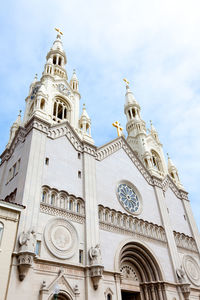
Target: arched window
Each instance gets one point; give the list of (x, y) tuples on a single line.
[(62, 202), (78, 208), (54, 60), (70, 205), (52, 202), (42, 104), (156, 161), (44, 195), (109, 297), (61, 110), (133, 112), (59, 61), (1, 232)]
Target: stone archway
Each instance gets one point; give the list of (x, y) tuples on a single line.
[(141, 275)]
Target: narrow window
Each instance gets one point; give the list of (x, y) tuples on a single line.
[(54, 60), (47, 161), (18, 165), (54, 109), (133, 112), (109, 297), (80, 256), (44, 196), (62, 202), (73, 86), (38, 248), (172, 175), (70, 205), (79, 174), (78, 208), (1, 232), (14, 170), (42, 104), (129, 114), (59, 61), (60, 111), (79, 155), (65, 113), (52, 199)]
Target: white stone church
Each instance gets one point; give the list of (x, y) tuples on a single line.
[(104, 223)]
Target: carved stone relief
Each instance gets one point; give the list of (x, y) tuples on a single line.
[(61, 238), (192, 269)]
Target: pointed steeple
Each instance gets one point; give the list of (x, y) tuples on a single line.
[(56, 60), (135, 125), (14, 128)]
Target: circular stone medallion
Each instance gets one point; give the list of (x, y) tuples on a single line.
[(192, 269), (61, 238), (128, 198)]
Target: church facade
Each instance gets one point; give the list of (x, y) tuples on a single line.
[(105, 223)]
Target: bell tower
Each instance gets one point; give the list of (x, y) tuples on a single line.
[(145, 144), (53, 98)]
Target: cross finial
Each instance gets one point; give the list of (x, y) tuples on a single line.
[(126, 81), (119, 128), (59, 31)]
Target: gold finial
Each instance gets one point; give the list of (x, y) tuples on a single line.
[(59, 31), (119, 128), (127, 82)]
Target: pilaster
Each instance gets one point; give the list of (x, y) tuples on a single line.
[(168, 230)]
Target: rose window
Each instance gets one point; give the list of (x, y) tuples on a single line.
[(128, 198)]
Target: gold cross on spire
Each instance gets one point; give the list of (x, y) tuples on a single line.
[(59, 31), (126, 81), (119, 128)]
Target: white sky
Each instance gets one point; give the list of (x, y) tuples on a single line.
[(155, 44)]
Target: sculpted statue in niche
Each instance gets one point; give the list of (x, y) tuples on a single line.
[(95, 255), (27, 241), (180, 274)]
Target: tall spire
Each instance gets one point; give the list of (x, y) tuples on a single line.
[(56, 59)]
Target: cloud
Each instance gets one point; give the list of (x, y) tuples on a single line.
[(154, 44)]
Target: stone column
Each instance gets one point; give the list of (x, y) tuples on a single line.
[(117, 285), (92, 238)]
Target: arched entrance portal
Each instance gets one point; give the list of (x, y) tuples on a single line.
[(60, 296), (141, 275)]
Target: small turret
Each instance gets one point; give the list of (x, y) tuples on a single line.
[(74, 81), (14, 129), (173, 172), (154, 132), (85, 126)]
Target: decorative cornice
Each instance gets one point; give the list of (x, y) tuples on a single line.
[(59, 212), (115, 221), (184, 241)]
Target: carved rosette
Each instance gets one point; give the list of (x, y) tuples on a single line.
[(192, 269), (61, 238)]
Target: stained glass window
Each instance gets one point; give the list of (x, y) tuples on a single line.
[(128, 198)]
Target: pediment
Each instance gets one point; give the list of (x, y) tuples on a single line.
[(62, 284)]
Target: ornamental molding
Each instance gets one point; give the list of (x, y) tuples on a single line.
[(119, 143), (184, 241), (59, 212), (61, 238), (114, 221)]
